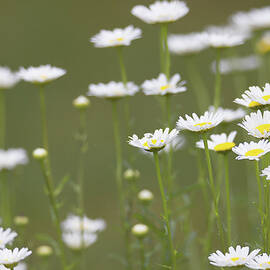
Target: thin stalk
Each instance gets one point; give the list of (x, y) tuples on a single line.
[(122, 65), (266, 215), (166, 211), (213, 190), (166, 52), (218, 79), (142, 255), (5, 199), (2, 119), (45, 139), (162, 56), (228, 200)]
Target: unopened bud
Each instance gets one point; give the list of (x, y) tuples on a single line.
[(44, 251), (145, 196), (140, 230), (40, 153), (130, 174), (81, 102), (21, 220)]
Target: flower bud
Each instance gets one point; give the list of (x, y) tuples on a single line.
[(40, 153), (81, 102), (130, 174), (145, 196), (44, 251), (140, 230), (21, 220)]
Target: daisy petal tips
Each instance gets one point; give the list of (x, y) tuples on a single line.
[(153, 142), (8, 79), (266, 172)]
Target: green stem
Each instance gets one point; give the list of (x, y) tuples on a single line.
[(218, 79), (122, 65), (228, 200), (266, 215), (162, 56), (142, 255), (2, 119), (5, 199), (167, 52), (166, 211), (213, 190), (44, 119)]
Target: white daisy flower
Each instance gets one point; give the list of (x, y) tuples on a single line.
[(257, 124), (140, 230), (162, 86), (252, 20), (153, 142), (7, 78), (112, 90), (176, 144), (40, 75), (219, 142), (266, 172), (252, 150), (116, 37), (237, 64), (81, 102), (10, 258), (6, 237), (11, 158), (225, 37), (77, 240), (20, 266), (77, 224), (235, 257), (195, 123), (247, 101), (145, 195), (161, 11), (229, 115), (187, 44), (261, 261)]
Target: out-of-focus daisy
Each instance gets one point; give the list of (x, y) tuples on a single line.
[(78, 240), (81, 102), (162, 86), (10, 258), (261, 261), (219, 142), (153, 142), (116, 37), (76, 224), (7, 78), (252, 20), (252, 150), (235, 257), (176, 144), (263, 45), (6, 237), (161, 11), (257, 124), (145, 195), (112, 90), (237, 64), (229, 115), (11, 158), (20, 266), (266, 172), (224, 37), (195, 123), (40, 75), (187, 44)]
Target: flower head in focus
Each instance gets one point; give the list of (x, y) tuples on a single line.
[(11, 158), (10, 258), (8, 79), (6, 237), (117, 37), (161, 11)]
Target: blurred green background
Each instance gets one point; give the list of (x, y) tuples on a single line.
[(57, 32)]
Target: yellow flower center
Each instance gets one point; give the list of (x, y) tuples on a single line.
[(224, 146), (263, 46), (254, 152), (146, 144), (165, 87), (263, 128), (154, 141), (266, 97), (254, 104), (203, 124), (44, 77), (120, 39), (235, 259)]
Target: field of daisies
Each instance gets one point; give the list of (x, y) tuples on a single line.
[(191, 193)]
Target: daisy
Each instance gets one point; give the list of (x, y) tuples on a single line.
[(40, 75), (140, 230), (161, 11), (81, 102), (252, 150), (153, 142), (116, 37), (187, 44), (261, 261), (235, 257), (145, 195), (229, 115), (11, 158), (263, 45), (20, 266), (176, 144), (257, 124), (266, 172), (247, 101), (261, 96), (7, 78), (77, 240), (195, 123), (6, 237), (112, 90), (10, 258), (77, 224), (162, 86), (219, 142)]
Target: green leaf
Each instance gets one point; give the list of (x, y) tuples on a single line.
[(61, 185)]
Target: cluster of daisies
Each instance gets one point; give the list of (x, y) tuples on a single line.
[(11, 258)]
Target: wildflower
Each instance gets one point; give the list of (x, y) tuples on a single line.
[(163, 86), (252, 150), (11, 158), (140, 230), (153, 142), (257, 124), (220, 143), (21, 220), (203, 123), (266, 172), (20, 266), (78, 240), (41, 75), (229, 115), (261, 261), (44, 251), (6, 237), (40, 153), (161, 12), (235, 257), (145, 196), (81, 102), (187, 44), (263, 45), (130, 174), (116, 37), (10, 258), (7, 78), (176, 144), (112, 90)]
